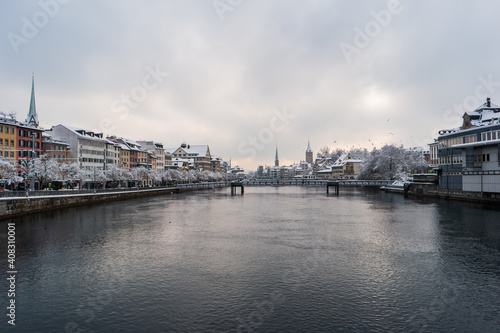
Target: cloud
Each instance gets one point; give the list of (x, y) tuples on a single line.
[(227, 76)]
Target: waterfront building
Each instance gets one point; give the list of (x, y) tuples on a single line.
[(21, 141), (28, 142), (168, 160), (86, 148), (182, 163), (309, 153), (433, 159), (215, 164), (8, 130), (468, 156), (199, 153), (112, 154), (55, 147), (344, 167), (124, 156), (156, 156)]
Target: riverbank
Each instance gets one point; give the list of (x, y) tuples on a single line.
[(432, 190), (17, 206)]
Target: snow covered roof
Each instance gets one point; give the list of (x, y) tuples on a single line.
[(200, 150), (82, 133), (344, 159), (169, 150), (123, 146)]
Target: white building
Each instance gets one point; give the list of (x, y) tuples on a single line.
[(468, 156), (87, 148)]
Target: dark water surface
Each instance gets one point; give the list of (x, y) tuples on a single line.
[(283, 259)]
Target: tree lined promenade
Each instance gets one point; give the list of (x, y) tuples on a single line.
[(48, 174)]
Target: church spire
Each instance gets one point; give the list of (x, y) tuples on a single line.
[(276, 160), (309, 153), (32, 118)]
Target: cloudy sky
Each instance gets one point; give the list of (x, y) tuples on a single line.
[(244, 76)]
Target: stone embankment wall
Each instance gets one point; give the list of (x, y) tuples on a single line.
[(433, 191), (10, 207)]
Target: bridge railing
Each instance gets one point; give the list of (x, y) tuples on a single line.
[(317, 182)]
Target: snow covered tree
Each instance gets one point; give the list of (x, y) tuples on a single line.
[(8, 172), (44, 169), (390, 162), (73, 172)]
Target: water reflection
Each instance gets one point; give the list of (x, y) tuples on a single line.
[(274, 260)]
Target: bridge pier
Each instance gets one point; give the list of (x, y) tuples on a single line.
[(335, 185), (235, 185)]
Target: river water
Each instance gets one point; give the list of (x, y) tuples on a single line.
[(286, 259)]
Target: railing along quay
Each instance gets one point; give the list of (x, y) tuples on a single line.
[(317, 182), (24, 194)]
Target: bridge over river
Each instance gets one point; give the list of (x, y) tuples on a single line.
[(315, 182)]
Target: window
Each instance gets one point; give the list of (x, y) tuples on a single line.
[(1, 142), (12, 154), (12, 143), (12, 130), (22, 132), (21, 143), (1, 129)]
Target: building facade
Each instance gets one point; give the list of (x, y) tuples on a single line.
[(87, 148), (55, 148), (309, 153), (199, 153), (468, 156)]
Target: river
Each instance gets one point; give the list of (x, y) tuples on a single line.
[(286, 259)]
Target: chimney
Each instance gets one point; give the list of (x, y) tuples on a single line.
[(488, 102)]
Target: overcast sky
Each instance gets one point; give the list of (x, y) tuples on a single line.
[(245, 76)]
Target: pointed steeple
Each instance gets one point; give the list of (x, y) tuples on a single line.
[(32, 118), (276, 160), (309, 153)]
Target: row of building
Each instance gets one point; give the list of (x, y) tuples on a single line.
[(322, 167), (466, 158), (67, 144)]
